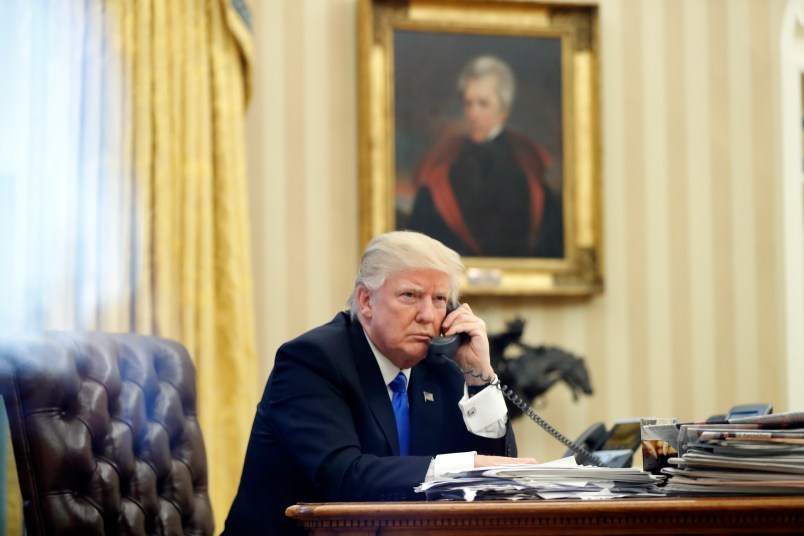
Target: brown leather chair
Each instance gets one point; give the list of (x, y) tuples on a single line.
[(105, 434)]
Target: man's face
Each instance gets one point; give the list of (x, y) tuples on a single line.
[(482, 108), (403, 315)]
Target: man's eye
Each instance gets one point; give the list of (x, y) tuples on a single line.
[(440, 301)]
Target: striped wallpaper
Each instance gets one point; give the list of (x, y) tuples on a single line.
[(692, 319)]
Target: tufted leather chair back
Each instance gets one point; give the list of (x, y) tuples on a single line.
[(105, 434)]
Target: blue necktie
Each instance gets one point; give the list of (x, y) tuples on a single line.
[(400, 403)]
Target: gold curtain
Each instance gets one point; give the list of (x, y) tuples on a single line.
[(189, 62), (124, 203), (125, 207)]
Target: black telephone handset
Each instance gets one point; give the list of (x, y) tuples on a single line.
[(593, 437), (447, 346), (615, 447)]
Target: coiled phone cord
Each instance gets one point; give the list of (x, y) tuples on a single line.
[(523, 406)]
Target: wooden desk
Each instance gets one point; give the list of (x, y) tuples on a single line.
[(720, 515)]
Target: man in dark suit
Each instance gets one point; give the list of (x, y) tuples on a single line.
[(325, 429)]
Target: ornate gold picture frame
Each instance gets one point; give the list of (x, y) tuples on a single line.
[(479, 125)]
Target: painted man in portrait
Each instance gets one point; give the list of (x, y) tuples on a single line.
[(483, 192)]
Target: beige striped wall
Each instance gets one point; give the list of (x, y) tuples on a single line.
[(692, 319)]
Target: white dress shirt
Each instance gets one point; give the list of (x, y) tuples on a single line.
[(485, 415)]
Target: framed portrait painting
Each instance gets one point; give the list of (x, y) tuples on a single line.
[(479, 127)]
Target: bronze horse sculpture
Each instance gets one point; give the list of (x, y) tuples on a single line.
[(536, 368)]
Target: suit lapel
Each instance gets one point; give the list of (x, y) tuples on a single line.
[(374, 389), (426, 412)]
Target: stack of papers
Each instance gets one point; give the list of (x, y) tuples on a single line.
[(757, 456), (560, 479)]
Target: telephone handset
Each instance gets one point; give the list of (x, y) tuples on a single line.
[(446, 346), (615, 447)]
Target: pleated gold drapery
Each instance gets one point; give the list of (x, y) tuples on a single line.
[(188, 63), (126, 209)]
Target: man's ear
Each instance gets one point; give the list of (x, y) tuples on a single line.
[(364, 301)]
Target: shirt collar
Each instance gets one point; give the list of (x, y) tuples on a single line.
[(494, 133), (387, 369)]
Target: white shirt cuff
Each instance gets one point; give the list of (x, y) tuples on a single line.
[(485, 414), (455, 461)]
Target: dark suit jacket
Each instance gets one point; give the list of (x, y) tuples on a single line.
[(325, 430)]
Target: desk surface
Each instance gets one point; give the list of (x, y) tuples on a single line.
[(709, 515)]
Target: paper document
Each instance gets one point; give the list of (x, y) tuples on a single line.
[(757, 455), (558, 479)]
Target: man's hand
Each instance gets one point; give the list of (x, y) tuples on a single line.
[(475, 354), (487, 461)]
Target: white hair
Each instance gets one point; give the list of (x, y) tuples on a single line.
[(484, 66), (400, 251)]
